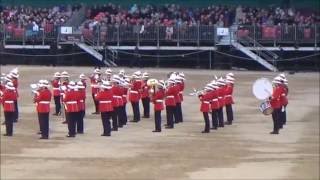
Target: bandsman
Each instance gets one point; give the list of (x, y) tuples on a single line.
[(15, 75), (157, 99), (105, 97), (56, 93), (134, 95), (205, 97), (221, 94), (64, 82), (228, 97), (117, 119), (7, 98), (145, 95), (284, 99), (170, 103), (214, 102), (42, 100), (95, 79), (81, 90), (181, 85), (276, 105), (70, 99), (178, 99)]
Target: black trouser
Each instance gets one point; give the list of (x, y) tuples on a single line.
[(220, 117), (71, 120), (105, 117), (229, 113), (57, 102), (276, 119), (146, 107), (79, 123), (170, 113), (214, 118), (283, 115), (9, 118), (157, 120), (96, 103), (136, 111), (114, 117), (178, 113), (44, 124), (206, 121), (120, 116), (16, 112), (124, 111)]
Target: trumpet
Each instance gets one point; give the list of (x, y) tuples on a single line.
[(34, 88), (196, 92)]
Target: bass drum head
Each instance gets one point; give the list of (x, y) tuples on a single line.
[(262, 88)]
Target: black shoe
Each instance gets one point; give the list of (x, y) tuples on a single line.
[(156, 131), (95, 113), (169, 127), (120, 126), (146, 117), (43, 138), (64, 122), (15, 121), (55, 114), (114, 129), (214, 128), (105, 134), (7, 134), (79, 132), (274, 132), (70, 136), (228, 123), (3, 123), (221, 126), (39, 132), (134, 121), (205, 131)]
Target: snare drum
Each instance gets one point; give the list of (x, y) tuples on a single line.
[(265, 108)]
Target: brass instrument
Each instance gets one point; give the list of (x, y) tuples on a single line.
[(196, 92)]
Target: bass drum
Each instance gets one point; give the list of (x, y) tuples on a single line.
[(266, 108), (262, 88)]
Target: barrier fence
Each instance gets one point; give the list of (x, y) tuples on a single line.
[(196, 35)]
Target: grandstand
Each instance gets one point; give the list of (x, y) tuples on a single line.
[(253, 35)]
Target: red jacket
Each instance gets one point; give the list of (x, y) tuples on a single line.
[(205, 101), (117, 96), (55, 87), (42, 100), (124, 95), (221, 91), (7, 99), (283, 98), (105, 100), (170, 96), (134, 93), (70, 99), (81, 99), (228, 94), (145, 90), (275, 98), (94, 85), (181, 89), (214, 99), (157, 100), (176, 95)]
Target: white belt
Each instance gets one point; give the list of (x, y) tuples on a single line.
[(124, 95), (44, 102), (117, 96), (228, 95), (220, 97), (283, 94), (136, 92), (207, 102), (9, 101), (81, 101), (56, 88), (170, 97), (72, 102), (181, 92), (159, 100), (215, 99), (105, 101)]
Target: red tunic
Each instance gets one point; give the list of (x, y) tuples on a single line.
[(157, 100), (228, 94), (283, 98), (70, 98), (145, 90), (8, 97), (181, 89), (117, 96), (275, 98), (42, 100), (205, 101), (94, 85), (214, 99), (55, 87), (134, 93), (170, 94), (81, 99), (176, 95), (105, 100), (221, 96), (124, 95)]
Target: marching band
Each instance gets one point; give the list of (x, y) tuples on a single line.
[(111, 92)]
